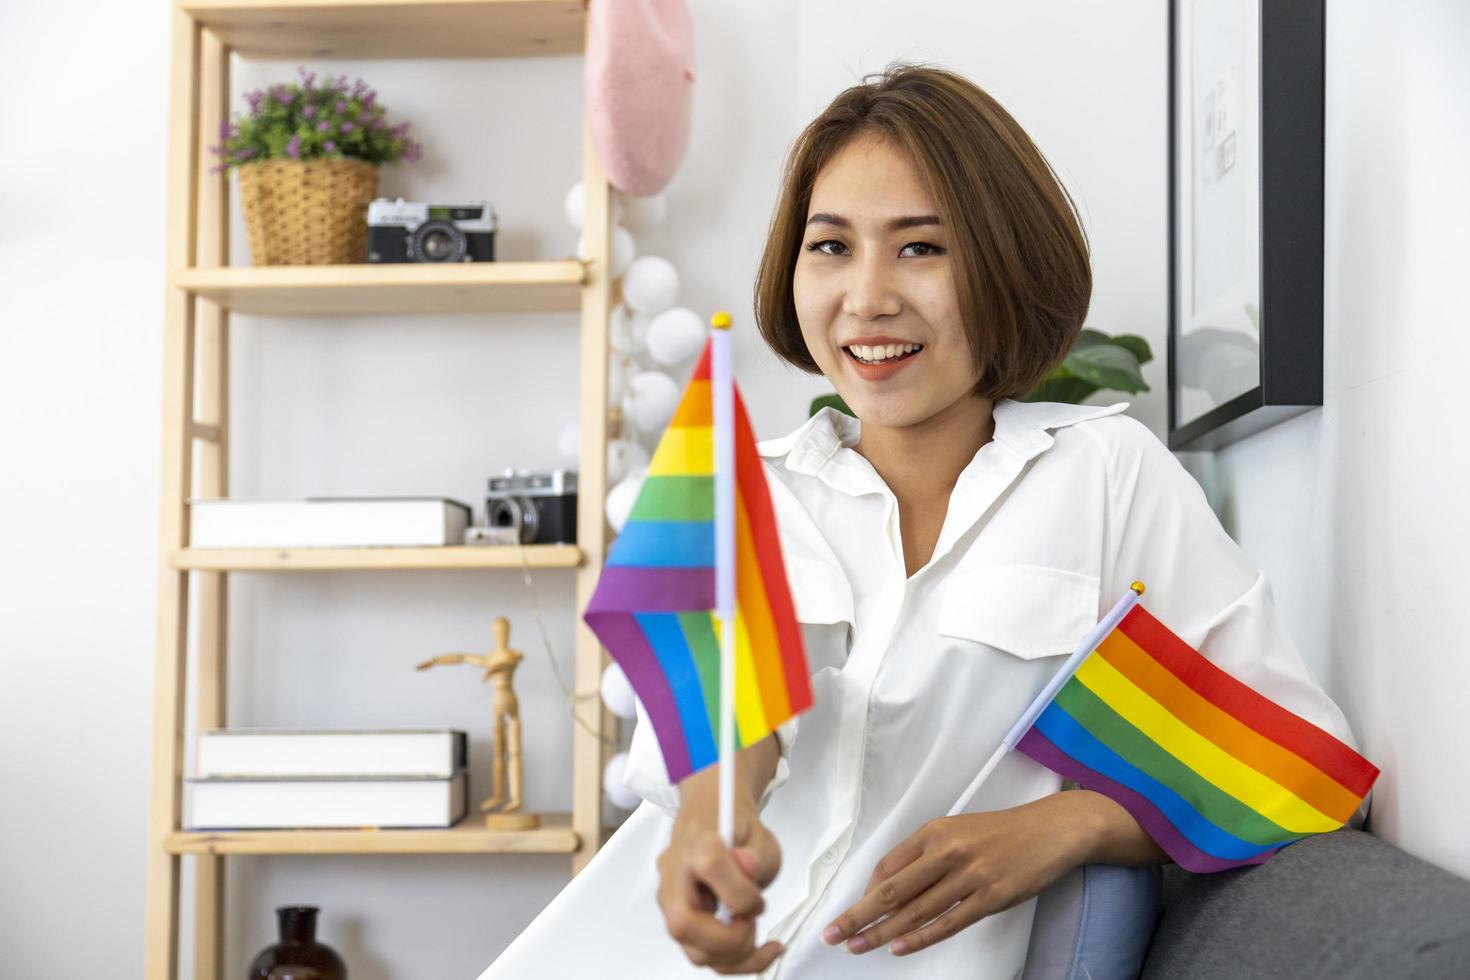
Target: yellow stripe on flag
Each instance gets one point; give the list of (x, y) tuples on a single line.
[(684, 451), (1247, 785)]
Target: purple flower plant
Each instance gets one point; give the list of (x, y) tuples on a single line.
[(306, 121)]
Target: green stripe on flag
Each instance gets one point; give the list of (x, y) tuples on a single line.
[(1142, 752), (704, 647), (675, 498)]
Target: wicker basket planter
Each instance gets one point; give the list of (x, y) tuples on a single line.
[(311, 212)]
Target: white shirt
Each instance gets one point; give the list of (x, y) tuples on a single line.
[(916, 680)]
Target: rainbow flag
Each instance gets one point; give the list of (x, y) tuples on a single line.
[(1218, 775), (654, 604)]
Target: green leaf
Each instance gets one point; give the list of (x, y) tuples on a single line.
[(1089, 338), (1062, 388), (834, 400), (1137, 345), (1107, 366)]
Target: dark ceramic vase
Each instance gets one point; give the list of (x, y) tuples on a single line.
[(298, 956)]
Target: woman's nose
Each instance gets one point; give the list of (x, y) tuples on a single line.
[(870, 290)]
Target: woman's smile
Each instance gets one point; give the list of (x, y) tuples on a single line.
[(878, 363)]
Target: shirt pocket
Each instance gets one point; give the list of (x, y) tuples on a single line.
[(1027, 611), (823, 603)]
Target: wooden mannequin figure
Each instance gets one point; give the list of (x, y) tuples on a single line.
[(500, 663)]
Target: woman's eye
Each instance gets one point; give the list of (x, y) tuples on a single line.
[(831, 246), (925, 247), (821, 246)]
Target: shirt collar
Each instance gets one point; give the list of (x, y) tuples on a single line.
[(1023, 428)]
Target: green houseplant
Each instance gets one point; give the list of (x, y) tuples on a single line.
[(1096, 362), (307, 156)]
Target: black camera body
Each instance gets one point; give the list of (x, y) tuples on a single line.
[(410, 231), (542, 504)]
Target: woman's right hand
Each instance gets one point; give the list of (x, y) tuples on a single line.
[(697, 872)]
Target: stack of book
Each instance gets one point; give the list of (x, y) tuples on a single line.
[(327, 522), (252, 779)]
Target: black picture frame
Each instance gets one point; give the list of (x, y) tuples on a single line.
[(1288, 320)]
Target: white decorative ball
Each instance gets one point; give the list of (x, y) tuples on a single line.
[(653, 398), (575, 207), (569, 444), (625, 456), (675, 336), (573, 204), (645, 213), (617, 794), (621, 498), (651, 285), (623, 251), (627, 329), (617, 693)]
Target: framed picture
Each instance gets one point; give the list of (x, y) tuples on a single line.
[(1245, 216)]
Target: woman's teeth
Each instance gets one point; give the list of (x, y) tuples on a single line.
[(877, 355)]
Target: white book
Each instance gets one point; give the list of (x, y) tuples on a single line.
[(259, 752), (327, 522), (285, 804)]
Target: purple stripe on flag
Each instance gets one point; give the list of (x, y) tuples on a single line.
[(1149, 817), (625, 640), (627, 588)]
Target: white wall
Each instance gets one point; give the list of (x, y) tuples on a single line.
[(1356, 510), (433, 405)]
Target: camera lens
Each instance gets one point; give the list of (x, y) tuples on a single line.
[(437, 241), (517, 512)]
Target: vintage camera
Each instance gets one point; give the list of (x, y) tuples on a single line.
[(541, 504), (408, 231)]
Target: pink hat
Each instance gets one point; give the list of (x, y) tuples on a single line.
[(638, 90)]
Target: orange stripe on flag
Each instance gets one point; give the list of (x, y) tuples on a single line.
[(1271, 759)]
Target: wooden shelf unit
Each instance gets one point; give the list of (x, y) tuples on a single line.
[(383, 290), (469, 836), (351, 29), (202, 293), (372, 559)]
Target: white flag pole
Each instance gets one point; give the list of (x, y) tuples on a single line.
[(1089, 643), (722, 391)]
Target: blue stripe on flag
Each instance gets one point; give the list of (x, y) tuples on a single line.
[(665, 544), (666, 637), (1082, 745)]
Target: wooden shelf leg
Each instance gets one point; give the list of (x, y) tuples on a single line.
[(589, 751), (211, 415), (160, 954)]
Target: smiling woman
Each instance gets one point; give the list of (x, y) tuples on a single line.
[(946, 546), (924, 179)]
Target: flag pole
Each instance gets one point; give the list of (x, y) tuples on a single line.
[(722, 392), (1089, 643)]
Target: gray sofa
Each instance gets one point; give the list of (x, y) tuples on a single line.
[(1343, 905)]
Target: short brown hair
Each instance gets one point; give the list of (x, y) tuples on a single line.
[(1022, 273)]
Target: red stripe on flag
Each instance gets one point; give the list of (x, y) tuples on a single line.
[(756, 499), (1320, 748)]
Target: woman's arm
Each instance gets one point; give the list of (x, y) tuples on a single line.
[(755, 766), (1106, 833)]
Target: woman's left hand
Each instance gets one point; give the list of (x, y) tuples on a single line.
[(954, 871)]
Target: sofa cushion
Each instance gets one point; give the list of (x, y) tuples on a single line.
[(1344, 905), (1094, 923)]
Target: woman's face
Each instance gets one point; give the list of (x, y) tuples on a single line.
[(874, 269)]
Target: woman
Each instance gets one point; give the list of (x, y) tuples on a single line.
[(945, 553)]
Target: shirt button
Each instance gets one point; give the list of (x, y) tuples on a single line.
[(829, 855)]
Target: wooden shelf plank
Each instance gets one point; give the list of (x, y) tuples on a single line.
[(393, 28), (373, 559), (391, 289), (469, 836)]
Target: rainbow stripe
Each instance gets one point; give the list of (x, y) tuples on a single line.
[(1218, 775), (653, 606)]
